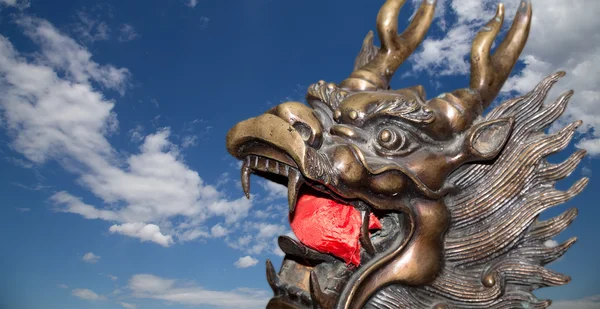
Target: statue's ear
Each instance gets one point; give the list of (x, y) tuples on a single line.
[(485, 139)]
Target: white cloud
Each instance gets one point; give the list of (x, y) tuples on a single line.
[(53, 111), (189, 141), (192, 3), (65, 202), (258, 237), (592, 302), (90, 257), (87, 294), (23, 209), (62, 53), (20, 4), (245, 262), (63, 286), (563, 36), (203, 21), (274, 190), (150, 286), (128, 305), (143, 231), (268, 230), (586, 171), (550, 243), (137, 134), (127, 33), (218, 231), (89, 29)]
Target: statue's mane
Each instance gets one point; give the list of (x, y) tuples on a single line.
[(495, 248)]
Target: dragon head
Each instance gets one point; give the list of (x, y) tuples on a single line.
[(386, 154)]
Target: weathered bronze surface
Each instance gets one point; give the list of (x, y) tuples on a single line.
[(458, 193)]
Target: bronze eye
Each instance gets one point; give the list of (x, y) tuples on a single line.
[(390, 139)]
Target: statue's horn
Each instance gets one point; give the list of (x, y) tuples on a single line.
[(380, 65), (490, 72)]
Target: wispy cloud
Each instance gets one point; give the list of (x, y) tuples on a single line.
[(20, 4), (274, 190), (127, 33), (189, 141), (150, 286), (87, 294), (591, 302), (257, 237), (191, 3), (111, 277), (53, 111), (128, 305), (90, 257), (91, 29)]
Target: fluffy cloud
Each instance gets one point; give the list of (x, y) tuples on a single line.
[(87, 294), (150, 286), (90, 257), (245, 262), (218, 231), (53, 111), (550, 243), (563, 36), (143, 231)]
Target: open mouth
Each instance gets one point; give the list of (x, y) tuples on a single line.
[(335, 236)]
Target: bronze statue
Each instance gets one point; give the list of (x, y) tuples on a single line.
[(447, 199)]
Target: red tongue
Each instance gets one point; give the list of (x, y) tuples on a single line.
[(329, 227)]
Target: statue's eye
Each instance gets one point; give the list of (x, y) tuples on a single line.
[(391, 139)]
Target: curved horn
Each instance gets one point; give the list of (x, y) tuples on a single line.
[(489, 72), (377, 73)]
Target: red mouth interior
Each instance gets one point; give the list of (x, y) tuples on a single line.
[(329, 226)]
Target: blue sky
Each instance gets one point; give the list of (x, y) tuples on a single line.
[(117, 190)]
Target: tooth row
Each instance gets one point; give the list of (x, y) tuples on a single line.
[(295, 179), (265, 165)]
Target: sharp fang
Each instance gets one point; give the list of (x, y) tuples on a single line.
[(365, 240), (272, 277), (295, 180), (246, 177)]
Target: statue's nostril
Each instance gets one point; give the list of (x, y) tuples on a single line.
[(304, 130), (302, 118)]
